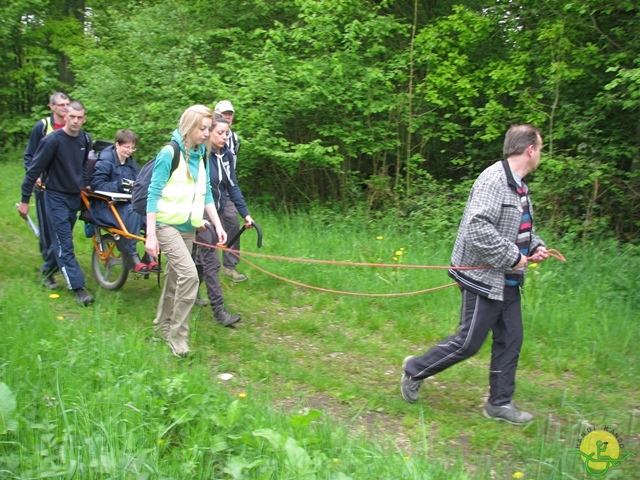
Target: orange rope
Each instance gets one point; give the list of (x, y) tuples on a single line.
[(333, 262), (340, 292), (551, 252)]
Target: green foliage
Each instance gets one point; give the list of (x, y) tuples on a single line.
[(126, 81), (347, 101), (33, 65), (8, 406), (597, 193)]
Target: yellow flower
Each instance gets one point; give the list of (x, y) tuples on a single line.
[(518, 475), (54, 295), (399, 252), (60, 318), (160, 441), (379, 237), (395, 259), (90, 331), (402, 248), (242, 395), (407, 457), (533, 265), (336, 460)]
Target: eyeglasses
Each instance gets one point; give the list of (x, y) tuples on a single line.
[(128, 147)]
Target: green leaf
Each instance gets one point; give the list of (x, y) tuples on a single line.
[(340, 476), (298, 456), (236, 465), (304, 420), (7, 410), (274, 438)]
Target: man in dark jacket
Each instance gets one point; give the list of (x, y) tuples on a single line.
[(496, 235), (58, 105), (62, 156)]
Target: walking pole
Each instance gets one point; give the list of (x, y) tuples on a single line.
[(34, 228)]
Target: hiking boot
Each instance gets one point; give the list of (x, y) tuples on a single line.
[(179, 348), (508, 413), (83, 297), (409, 387), (224, 317), (48, 282), (236, 276), (201, 302)]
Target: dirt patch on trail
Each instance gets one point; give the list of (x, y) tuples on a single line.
[(360, 423)]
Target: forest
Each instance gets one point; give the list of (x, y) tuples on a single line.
[(372, 108)]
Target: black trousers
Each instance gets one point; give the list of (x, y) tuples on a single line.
[(478, 316), (208, 265), (231, 225)]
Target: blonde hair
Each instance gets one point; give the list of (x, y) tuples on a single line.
[(190, 121)]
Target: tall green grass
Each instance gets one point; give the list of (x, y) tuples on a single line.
[(314, 392)]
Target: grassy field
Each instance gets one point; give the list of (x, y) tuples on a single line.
[(315, 386)]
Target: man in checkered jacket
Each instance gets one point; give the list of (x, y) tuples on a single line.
[(496, 235)]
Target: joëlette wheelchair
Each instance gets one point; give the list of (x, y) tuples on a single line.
[(108, 263)]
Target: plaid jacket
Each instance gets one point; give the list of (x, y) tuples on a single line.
[(488, 231)]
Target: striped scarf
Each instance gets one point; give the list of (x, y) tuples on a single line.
[(523, 240)]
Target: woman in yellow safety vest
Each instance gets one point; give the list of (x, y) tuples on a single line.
[(176, 202)]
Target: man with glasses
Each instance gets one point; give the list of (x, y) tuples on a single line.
[(58, 103)]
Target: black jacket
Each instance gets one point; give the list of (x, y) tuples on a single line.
[(107, 177), (222, 173), (61, 163), (38, 132)]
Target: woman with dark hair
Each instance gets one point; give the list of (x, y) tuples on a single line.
[(115, 171), (224, 185)]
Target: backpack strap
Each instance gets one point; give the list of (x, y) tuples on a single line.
[(87, 147), (176, 155), (47, 126)]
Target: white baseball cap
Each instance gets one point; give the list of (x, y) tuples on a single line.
[(224, 106)]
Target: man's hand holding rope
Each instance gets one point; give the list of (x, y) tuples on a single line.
[(539, 255)]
